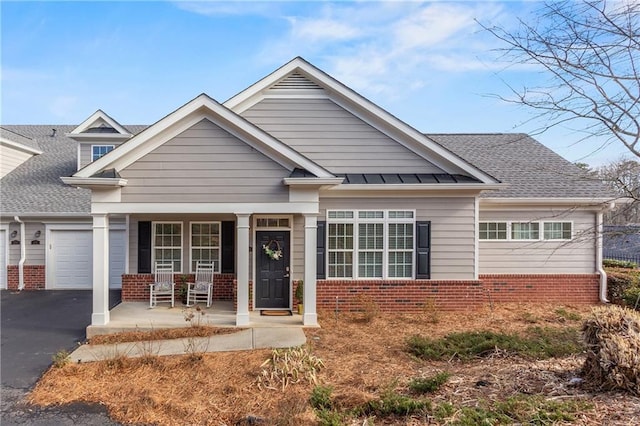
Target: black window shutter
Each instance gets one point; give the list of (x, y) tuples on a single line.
[(228, 240), (321, 252), (423, 250), (144, 247)]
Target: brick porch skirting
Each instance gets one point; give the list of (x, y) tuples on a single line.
[(412, 296), (135, 287), (33, 277)]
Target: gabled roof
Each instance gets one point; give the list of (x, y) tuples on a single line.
[(184, 117), (300, 72), (100, 123), (34, 188), (19, 141), (531, 169)]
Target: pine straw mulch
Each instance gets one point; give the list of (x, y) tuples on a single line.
[(362, 359), (160, 334)]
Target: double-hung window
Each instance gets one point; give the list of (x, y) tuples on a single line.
[(167, 244), (525, 231), (205, 244), (98, 151), (370, 244), (557, 230)]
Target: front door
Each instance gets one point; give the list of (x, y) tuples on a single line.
[(272, 270)]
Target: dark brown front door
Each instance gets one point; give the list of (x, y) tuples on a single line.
[(272, 270)]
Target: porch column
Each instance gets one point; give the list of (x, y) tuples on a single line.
[(310, 317), (100, 315), (242, 273)]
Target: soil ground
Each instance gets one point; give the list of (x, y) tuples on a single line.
[(364, 356)]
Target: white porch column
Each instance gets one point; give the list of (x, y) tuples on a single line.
[(242, 272), (100, 315), (310, 316)]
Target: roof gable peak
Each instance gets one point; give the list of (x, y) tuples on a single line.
[(99, 123)]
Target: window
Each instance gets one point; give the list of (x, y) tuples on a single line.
[(98, 151), (525, 230), (340, 250), (493, 230), (272, 222), (557, 230), (205, 244), (370, 244), (167, 243)]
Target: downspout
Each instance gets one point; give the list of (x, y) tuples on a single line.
[(603, 274), (23, 253)]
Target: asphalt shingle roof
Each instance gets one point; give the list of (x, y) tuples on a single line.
[(35, 187), (18, 138), (531, 169)]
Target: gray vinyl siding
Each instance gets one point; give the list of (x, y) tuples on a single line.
[(540, 257), (452, 228), (297, 259), (205, 164), (35, 252), (86, 152), (334, 138), (11, 158)]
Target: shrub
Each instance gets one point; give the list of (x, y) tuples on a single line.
[(61, 358), (612, 336), (538, 343), (613, 263), (392, 403), (429, 384), (369, 309), (631, 298), (619, 282), (321, 398)]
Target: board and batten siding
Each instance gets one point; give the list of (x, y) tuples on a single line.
[(205, 164), (334, 138), (540, 257), (452, 228)]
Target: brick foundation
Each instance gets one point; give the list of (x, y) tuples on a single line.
[(550, 288), (409, 296), (135, 287), (34, 278)]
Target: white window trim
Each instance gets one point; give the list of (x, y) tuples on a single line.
[(191, 246), (540, 223), (524, 239), (385, 220), (153, 243), (101, 145)]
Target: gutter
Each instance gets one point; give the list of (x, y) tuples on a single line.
[(601, 271), (23, 253)]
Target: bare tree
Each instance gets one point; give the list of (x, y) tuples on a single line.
[(624, 177), (590, 52)]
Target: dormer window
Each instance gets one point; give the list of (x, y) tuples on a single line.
[(98, 151)]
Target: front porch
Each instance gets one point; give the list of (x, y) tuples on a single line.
[(137, 316)]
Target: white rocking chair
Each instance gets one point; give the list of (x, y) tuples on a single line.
[(163, 287), (202, 289)]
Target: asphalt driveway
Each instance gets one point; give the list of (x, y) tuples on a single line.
[(34, 326)]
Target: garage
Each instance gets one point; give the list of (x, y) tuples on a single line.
[(70, 259)]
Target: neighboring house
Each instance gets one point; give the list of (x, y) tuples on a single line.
[(357, 201)]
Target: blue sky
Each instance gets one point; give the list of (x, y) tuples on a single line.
[(428, 63)]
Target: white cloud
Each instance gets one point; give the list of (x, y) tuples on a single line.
[(321, 30), (220, 8)]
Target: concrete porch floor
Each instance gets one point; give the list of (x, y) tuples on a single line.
[(130, 316)]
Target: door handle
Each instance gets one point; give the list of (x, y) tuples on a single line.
[(285, 276)]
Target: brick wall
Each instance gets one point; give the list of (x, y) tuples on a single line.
[(33, 277), (412, 296), (409, 296), (556, 288), (135, 287)]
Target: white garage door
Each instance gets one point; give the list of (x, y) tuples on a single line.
[(3, 260), (116, 258), (72, 253)]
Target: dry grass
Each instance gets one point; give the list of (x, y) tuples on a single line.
[(160, 334), (362, 361)]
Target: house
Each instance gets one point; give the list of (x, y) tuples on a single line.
[(355, 200)]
